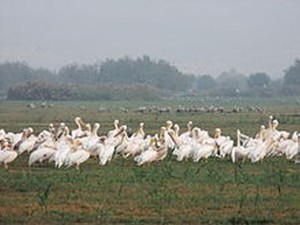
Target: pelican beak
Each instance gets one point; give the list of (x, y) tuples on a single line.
[(120, 132)]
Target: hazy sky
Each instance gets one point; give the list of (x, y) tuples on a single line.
[(198, 36)]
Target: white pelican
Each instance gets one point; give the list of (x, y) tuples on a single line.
[(184, 145), (114, 131), (51, 129), (140, 133), (29, 143), (287, 147), (258, 152), (239, 153), (225, 144), (165, 133), (188, 133), (77, 155), (78, 132), (156, 152), (133, 145), (41, 154), (107, 150), (63, 146), (60, 131), (90, 141), (7, 155)]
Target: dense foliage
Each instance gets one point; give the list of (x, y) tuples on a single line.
[(141, 78), (51, 91)]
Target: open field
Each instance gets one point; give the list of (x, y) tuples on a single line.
[(167, 192)]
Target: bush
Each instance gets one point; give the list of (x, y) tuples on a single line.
[(46, 91)]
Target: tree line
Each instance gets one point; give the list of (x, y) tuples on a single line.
[(138, 79)]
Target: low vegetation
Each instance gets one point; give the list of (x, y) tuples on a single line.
[(137, 79)]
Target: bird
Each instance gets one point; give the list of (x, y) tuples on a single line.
[(107, 149), (239, 153), (157, 151), (90, 141), (78, 132), (287, 147), (77, 155), (260, 150), (140, 133), (183, 147), (225, 144), (133, 145), (41, 154), (165, 132), (29, 143), (7, 154), (113, 132), (187, 134)]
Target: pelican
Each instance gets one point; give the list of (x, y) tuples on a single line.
[(41, 154), (51, 129), (60, 131), (272, 132), (114, 131), (204, 151), (7, 155), (63, 146), (132, 145), (90, 141), (140, 133), (239, 153), (78, 132), (168, 140), (225, 144), (183, 147), (29, 143), (259, 151), (188, 133), (17, 139), (77, 155), (287, 147), (156, 152), (106, 151)]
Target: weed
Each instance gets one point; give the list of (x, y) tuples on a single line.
[(43, 196)]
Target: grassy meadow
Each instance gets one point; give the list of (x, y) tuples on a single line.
[(167, 192)]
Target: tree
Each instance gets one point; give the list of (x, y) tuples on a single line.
[(232, 80), (12, 73), (78, 74), (292, 74), (259, 80), (205, 82), (143, 70)]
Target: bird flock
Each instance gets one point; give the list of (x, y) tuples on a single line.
[(66, 148)]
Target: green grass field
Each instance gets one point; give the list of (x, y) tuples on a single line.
[(167, 192)]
